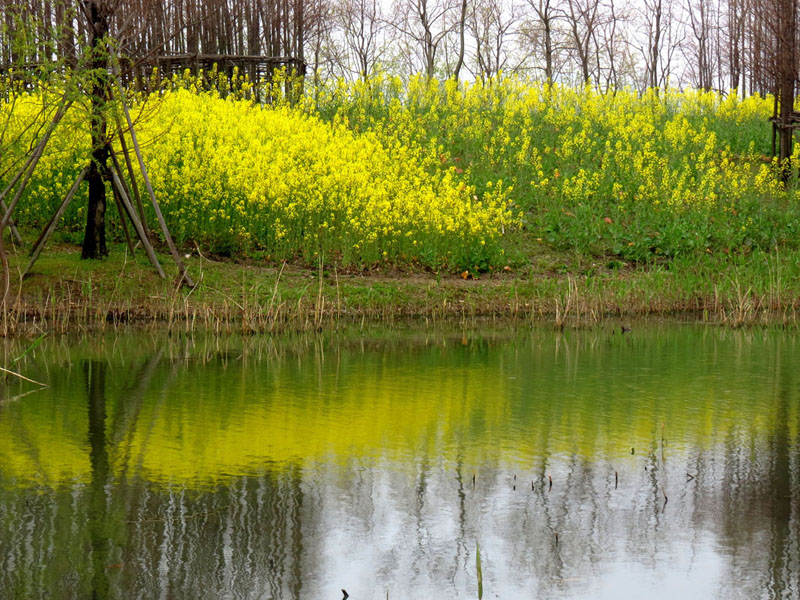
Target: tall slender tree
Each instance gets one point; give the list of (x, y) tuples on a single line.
[(98, 14)]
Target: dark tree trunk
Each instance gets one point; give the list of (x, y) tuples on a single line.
[(95, 372), (94, 240), (548, 50), (787, 76), (462, 21)]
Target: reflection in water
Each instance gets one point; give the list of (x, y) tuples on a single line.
[(781, 480), (98, 456), (258, 469), (244, 539)]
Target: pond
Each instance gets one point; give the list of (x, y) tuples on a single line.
[(657, 463)]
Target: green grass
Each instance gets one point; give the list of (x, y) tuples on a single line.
[(568, 289)]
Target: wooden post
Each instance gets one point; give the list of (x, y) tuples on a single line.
[(11, 225), (164, 229), (6, 278), (29, 166), (122, 214), (775, 124), (134, 186), (115, 181), (118, 168), (51, 225)]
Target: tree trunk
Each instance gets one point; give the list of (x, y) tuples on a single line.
[(787, 74), (548, 50), (462, 21), (94, 239), (95, 373)]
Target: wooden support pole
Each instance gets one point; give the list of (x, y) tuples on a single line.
[(122, 214), (774, 120), (51, 225), (30, 165), (164, 229), (134, 186), (6, 279), (126, 203), (116, 166), (16, 177), (11, 225)]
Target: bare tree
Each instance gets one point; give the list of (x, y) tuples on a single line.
[(493, 26), (541, 34), (362, 24), (759, 53), (736, 19), (461, 27), (425, 24), (583, 18), (319, 27), (699, 51), (655, 21)]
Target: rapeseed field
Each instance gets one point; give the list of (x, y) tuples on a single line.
[(442, 175)]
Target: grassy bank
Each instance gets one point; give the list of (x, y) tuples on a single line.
[(64, 293)]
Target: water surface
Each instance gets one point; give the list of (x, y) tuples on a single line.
[(155, 467)]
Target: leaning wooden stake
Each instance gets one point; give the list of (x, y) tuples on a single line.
[(11, 225), (134, 186), (120, 207), (27, 170), (131, 192), (19, 174), (164, 229), (51, 225), (6, 279), (121, 212), (126, 203)]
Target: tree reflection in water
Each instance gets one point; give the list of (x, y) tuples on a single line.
[(180, 473)]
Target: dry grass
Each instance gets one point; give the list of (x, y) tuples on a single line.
[(66, 294)]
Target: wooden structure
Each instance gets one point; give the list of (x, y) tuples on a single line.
[(257, 67), (116, 176), (778, 126)]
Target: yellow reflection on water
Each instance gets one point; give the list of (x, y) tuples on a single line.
[(192, 421)]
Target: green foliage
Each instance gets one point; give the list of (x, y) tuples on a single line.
[(639, 177), (442, 175)]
